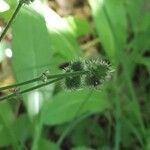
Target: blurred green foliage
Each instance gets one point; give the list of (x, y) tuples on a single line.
[(118, 114)]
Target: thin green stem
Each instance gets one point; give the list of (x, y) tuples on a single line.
[(19, 84), (11, 19), (40, 78), (29, 89), (70, 128)]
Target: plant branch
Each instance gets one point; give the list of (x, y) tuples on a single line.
[(40, 78), (19, 84), (11, 19), (29, 89)]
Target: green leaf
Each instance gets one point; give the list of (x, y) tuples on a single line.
[(133, 9), (65, 106), (31, 53), (6, 112), (22, 127), (78, 26), (6, 131), (6, 119), (61, 37), (5, 139), (47, 145), (110, 21)]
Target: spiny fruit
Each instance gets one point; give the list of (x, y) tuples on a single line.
[(73, 82), (98, 71)]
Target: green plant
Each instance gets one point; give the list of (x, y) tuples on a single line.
[(115, 115)]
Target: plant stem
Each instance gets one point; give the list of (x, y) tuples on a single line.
[(19, 84), (39, 78), (30, 89), (11, 19), (71, 127)]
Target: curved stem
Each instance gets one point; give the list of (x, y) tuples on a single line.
[(70, 128), (11, 19)]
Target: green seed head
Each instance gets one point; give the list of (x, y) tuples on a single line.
[(76, 65), (91, 80), (99, 71), (71, 82)]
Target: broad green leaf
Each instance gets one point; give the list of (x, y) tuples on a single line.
[(31, 54), (65, 106), (110, 21)]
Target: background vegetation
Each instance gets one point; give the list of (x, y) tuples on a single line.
[(49, 34)]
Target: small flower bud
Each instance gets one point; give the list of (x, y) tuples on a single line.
[(76, 65)]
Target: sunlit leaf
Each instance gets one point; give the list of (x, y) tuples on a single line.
[(31, 53)]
